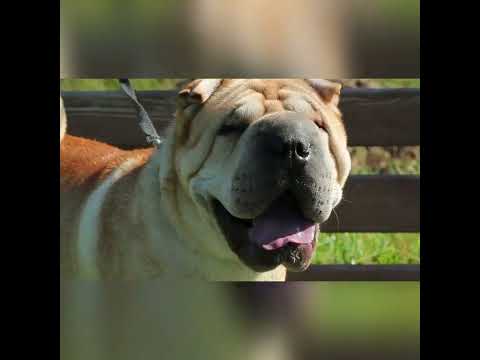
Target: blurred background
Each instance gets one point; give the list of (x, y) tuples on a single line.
[(332, 248), (248, 38), (184, 320)]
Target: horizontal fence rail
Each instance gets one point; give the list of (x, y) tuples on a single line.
[(378, 203), (372, 203), (373, 117), (357, 273)]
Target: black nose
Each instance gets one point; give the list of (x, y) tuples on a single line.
[(287, 139), (296, 151)]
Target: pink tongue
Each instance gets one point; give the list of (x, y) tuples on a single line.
[(281, 225)]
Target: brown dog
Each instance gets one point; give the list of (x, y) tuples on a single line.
[(237, 190)]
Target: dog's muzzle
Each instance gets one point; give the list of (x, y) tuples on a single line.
[(275, 222)]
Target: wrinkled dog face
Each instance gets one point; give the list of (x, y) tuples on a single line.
[(266, 160)]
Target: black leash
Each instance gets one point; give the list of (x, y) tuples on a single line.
[(144, 120)]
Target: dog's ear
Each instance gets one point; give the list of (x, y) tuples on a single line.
[(329, 91), (197, 92), (189, 101)]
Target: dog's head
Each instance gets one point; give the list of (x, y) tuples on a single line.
[(262, 161)]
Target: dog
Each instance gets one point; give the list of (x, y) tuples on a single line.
[(237, 190)]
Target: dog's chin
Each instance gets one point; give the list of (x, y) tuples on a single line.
[(280, 236)]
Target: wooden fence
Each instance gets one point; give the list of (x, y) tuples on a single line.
[(373, 117)]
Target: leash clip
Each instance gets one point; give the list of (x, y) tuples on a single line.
[(155, 141)]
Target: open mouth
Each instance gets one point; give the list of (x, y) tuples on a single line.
[(281, 235)]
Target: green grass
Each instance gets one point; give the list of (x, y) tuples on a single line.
[(112, 84), (332, 248), (377, 160), (166, 84), (394, 166), (410, 83), (367, 248)]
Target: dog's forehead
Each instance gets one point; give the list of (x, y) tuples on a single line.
[(271, 94), (269, 88)]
